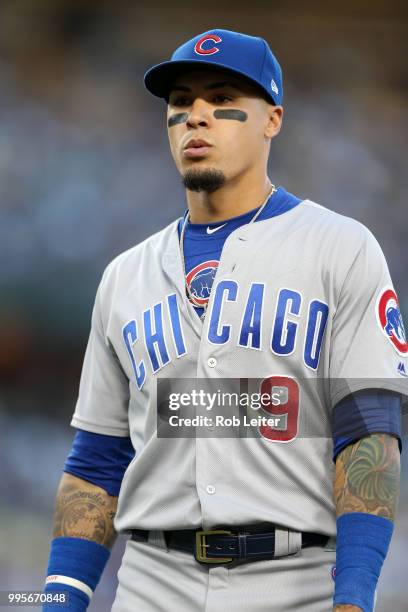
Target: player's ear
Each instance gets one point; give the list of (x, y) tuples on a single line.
[(274, 121)]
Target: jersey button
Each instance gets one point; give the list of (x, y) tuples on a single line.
[(211, 362), (210, 489)]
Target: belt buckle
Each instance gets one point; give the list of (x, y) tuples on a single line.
[(201, 546)]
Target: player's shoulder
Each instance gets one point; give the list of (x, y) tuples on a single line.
[(336, 225), (130, 260), (332, 219)]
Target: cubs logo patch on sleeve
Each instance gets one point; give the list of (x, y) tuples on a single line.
[(390, 320)]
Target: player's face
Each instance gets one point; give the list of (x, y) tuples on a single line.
[(220, 122)]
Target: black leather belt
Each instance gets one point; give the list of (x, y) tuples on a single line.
[(227, 545)]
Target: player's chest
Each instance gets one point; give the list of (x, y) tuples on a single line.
[(262, 298)]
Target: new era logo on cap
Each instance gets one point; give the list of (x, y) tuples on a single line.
[(246, 56)]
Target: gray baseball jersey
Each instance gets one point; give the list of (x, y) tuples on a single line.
[(303, 295)]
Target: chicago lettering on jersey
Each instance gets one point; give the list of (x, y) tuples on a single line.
[(151, 332)]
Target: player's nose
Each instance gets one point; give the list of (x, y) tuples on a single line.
[(200, 114)]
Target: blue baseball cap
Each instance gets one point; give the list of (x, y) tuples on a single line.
[(243, 55)]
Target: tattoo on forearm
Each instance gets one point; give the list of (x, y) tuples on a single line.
[(367, 476), (84, 510)]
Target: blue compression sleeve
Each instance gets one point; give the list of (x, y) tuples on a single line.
[(75, 567), (365, 412), (362, 544), (100, 459)]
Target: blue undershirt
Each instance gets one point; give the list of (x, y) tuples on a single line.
[(363, 413), (202, 250), (100, 459)]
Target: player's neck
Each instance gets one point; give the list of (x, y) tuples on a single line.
[(231, 200)]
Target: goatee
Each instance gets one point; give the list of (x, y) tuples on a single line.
[(203, 180)]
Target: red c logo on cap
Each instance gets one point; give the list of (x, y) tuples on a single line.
[(199, 44)]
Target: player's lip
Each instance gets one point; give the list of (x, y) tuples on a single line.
[(196, 147), (195, 143)]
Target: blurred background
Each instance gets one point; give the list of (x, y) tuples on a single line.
[(85, 173)]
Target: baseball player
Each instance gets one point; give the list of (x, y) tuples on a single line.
[(255, 285)]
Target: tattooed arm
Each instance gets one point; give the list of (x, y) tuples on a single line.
[(367, 480), (84, 510), (367, 476)]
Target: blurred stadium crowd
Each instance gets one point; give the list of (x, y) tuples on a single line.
[(85, 173)]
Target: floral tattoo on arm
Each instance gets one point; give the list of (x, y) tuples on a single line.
[(367, 476)]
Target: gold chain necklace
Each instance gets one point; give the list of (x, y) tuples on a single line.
[(190, 295)]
